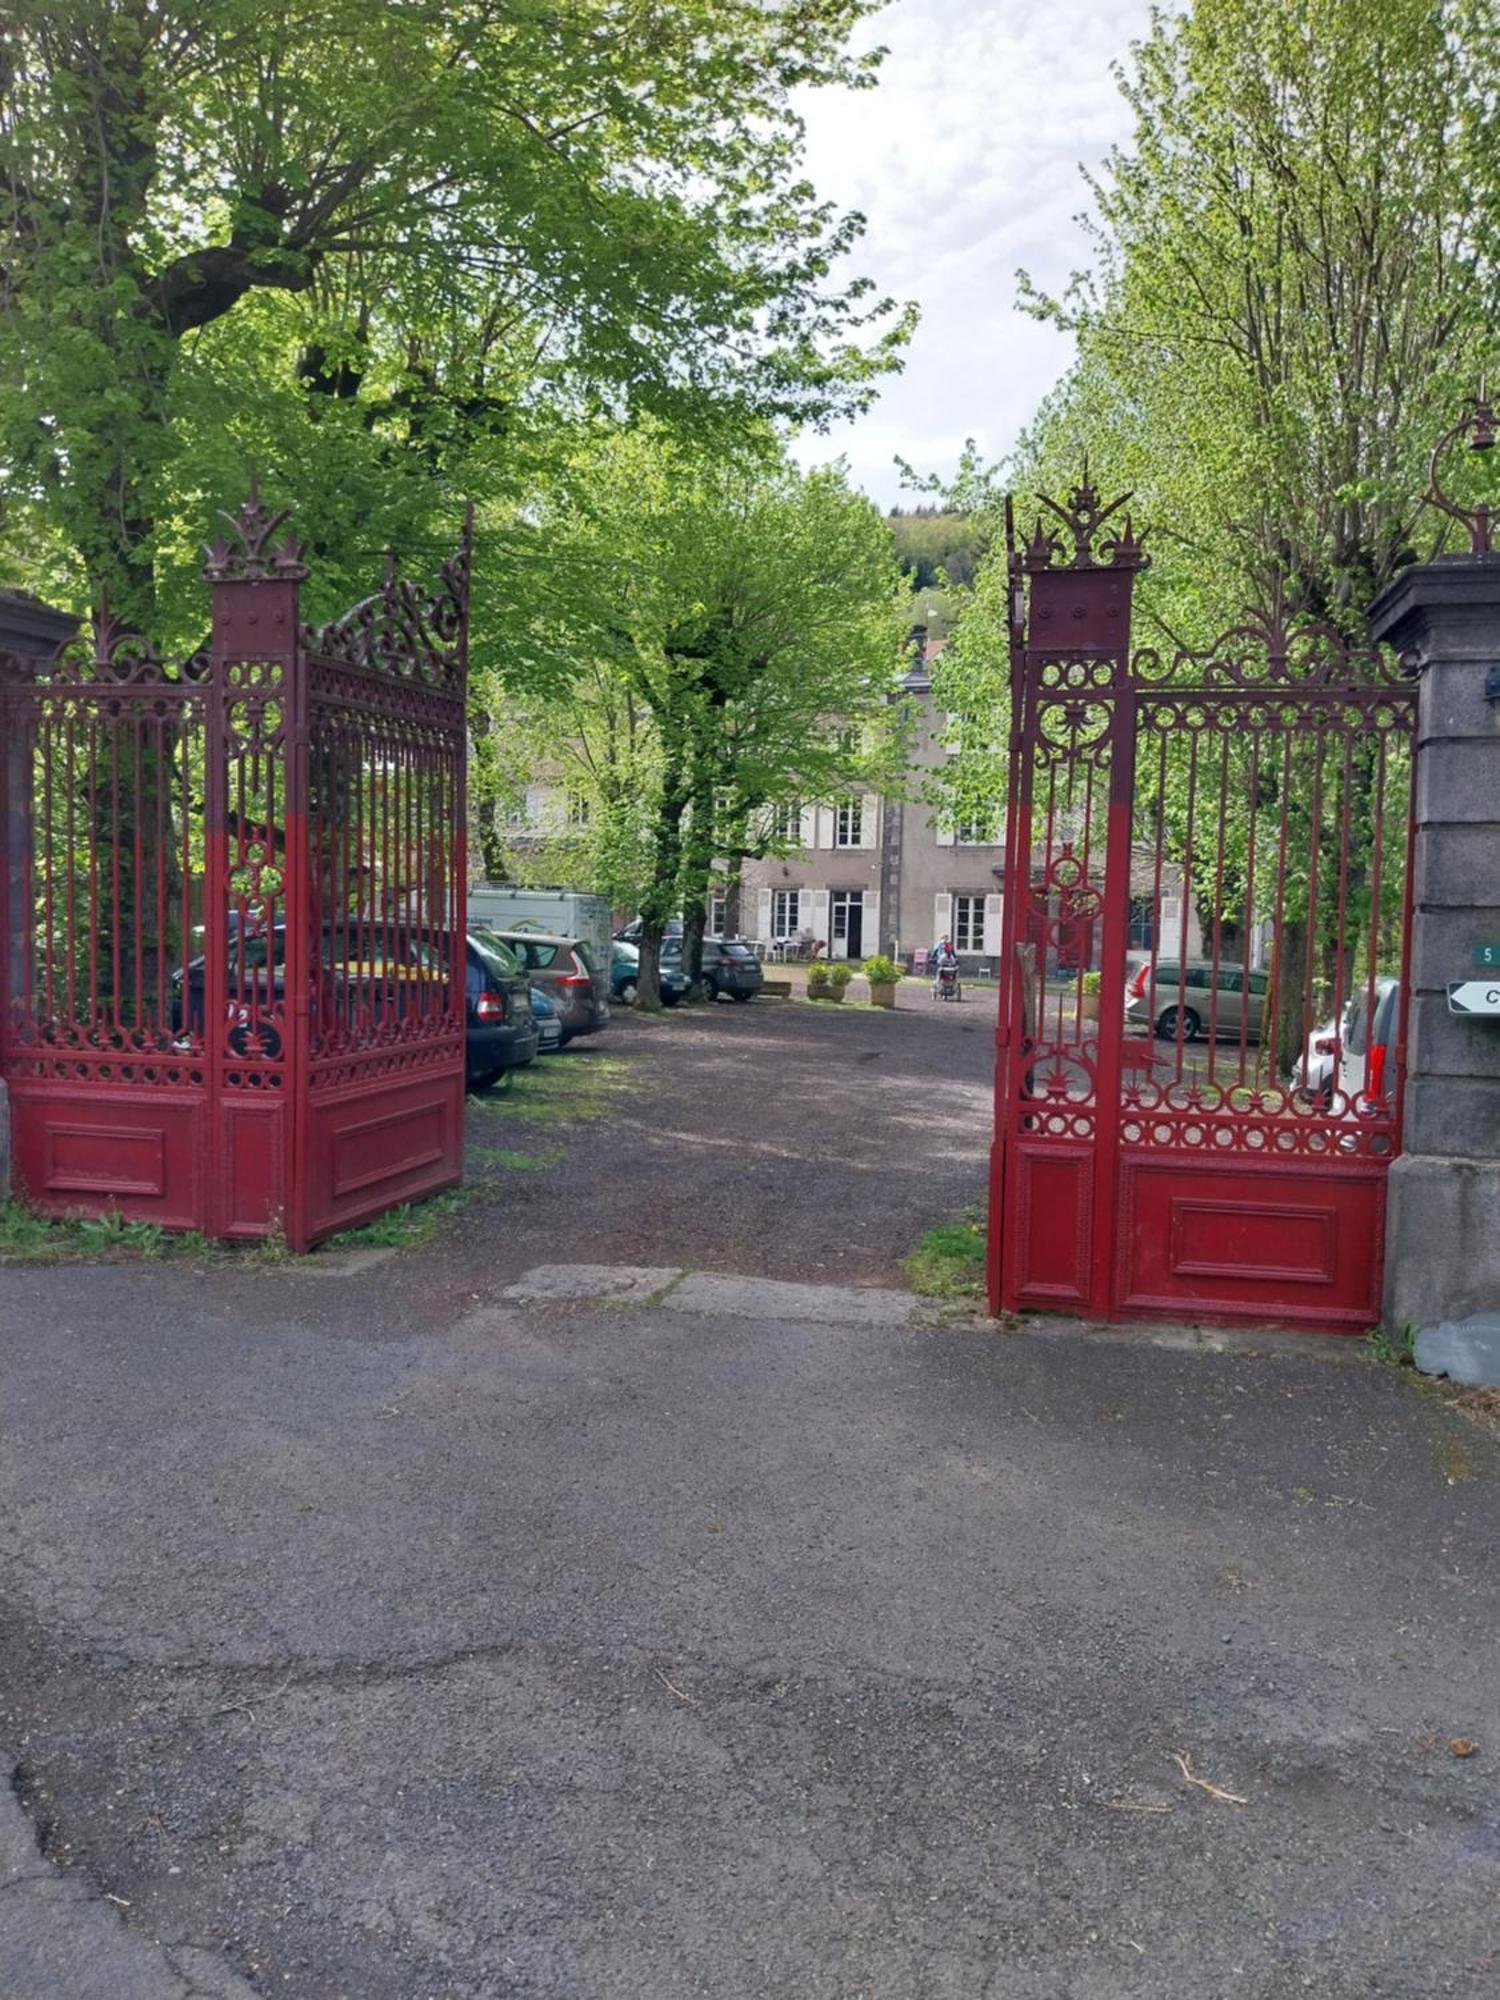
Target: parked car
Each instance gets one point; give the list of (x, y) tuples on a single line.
[(1315, 1076), (631, 933), (548, 1022), (500, 1033), (565, 971), (498, 1030), (1193, 995), (1367, 1048), (728, 967), (625, 967)]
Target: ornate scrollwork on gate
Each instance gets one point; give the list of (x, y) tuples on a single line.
[(407, 630), (1270, 648)]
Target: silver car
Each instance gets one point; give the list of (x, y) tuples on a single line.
[(564, 969), (1194, 996)]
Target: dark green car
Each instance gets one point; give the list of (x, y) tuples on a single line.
[(625, 974)]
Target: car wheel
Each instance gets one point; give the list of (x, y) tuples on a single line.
[(741, 997), (710, 991), (670, 999), (627, 993), (1166, 1024), (486, 1081)]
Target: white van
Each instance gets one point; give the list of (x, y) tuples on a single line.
[(567, 913)]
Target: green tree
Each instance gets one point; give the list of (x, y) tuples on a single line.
[(748, 616), (1284, 300), (440, 214)]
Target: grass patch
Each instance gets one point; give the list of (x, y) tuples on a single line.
[(517, 1163), (949, 1262), (563, 1090), (110, 1238)]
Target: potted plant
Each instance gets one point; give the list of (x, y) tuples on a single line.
[(1088, 998), (839, 976), (882, 973), (817, 980)]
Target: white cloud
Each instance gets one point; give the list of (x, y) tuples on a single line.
[(965, 163)]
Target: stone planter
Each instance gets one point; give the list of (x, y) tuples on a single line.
[(1088, 1006), (883, 993)]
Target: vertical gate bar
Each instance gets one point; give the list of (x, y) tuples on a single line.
[(1278, 907), (1372, 956), (1159, 857), (93, 841), (1314, 866), (49, 756), (1346, 838), (215, 920), (1247, 916), (112, 1016), (1187, 892), (1218, 945), (302, 950), (1108, 1066)]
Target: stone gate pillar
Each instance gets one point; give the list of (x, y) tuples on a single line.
[(1442, 1255)]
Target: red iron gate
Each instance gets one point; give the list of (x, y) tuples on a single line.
[(1223, 841), (233, 938)]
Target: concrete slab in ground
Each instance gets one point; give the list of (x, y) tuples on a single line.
[(771, 1298), (553, 1282)]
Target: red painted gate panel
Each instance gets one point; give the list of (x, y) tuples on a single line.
[(1208, 1135), (234, 931)]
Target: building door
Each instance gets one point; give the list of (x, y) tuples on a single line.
[(847, 923)]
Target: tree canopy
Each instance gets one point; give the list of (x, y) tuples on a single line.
[(426, 226)]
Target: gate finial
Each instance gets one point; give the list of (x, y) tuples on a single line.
[(245, 557), (1083, 514)]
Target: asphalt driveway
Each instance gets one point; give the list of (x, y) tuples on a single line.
[(395, 1639)]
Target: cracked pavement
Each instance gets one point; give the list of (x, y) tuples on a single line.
[(402, 1639)]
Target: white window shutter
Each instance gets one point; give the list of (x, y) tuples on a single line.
[(871, 941), (992, 926), (822, 827), (809, 831), (869, 821), (763, 914), (819, 918), (943, 832), (942, 916)]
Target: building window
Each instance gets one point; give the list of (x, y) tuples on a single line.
[(786, 912), (968, 923), (517, 816), (718, 904), (1140, 932), (849, 823), (579, 809), (786, 823), (976, 829)]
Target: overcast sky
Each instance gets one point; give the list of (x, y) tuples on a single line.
[(965, 163)]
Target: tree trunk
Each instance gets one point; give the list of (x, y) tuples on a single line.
[(697, 868), (660, 899)]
